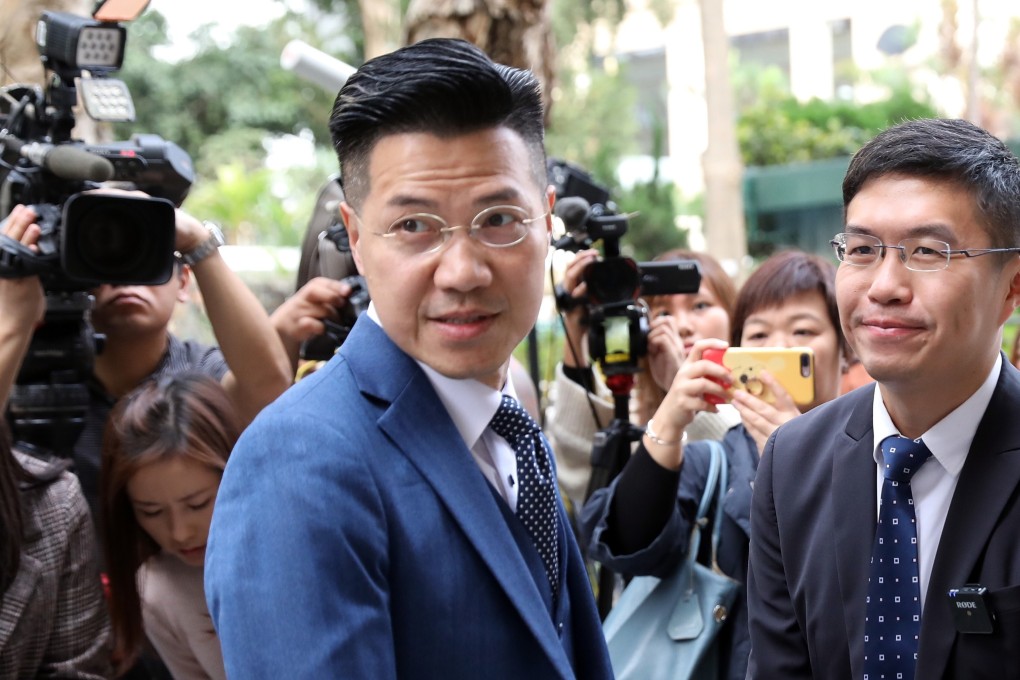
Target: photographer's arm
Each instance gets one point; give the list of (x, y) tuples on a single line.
[(643, 497), (22, 304), (259, 368), (300, 316), (570, 422), (575, 342)]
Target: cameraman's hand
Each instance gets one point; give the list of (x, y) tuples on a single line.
[(301, 315), (22, 302), (685, 398), (759, 416), (190, 232), (665, 350), (575, 320), (20, 225)]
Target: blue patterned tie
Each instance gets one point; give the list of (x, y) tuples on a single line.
[(536, 493), (894, 593)]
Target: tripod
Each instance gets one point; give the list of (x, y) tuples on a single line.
[(610, 452)]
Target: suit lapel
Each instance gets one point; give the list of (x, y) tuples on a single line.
[(421, 428), (987, 483), (853, 469)]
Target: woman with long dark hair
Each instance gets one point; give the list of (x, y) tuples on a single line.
[(165, 447)]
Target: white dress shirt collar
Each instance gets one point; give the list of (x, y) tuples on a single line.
[(471, 405), (949, 439), (934, 484)]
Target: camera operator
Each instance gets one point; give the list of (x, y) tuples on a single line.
[(250, 361), (581, 403), (53, 620)]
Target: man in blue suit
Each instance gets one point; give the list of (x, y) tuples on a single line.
[(852, 565), (370, 523)]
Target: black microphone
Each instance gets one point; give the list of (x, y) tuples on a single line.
[(68, 162), (574, 212), (64, 161)]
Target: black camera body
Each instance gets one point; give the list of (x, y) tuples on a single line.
[(326, 251), (617, 319), (91, 238), (87, 238), (323, 347)]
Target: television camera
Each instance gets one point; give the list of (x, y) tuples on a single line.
[(86, 238), (617, 317)]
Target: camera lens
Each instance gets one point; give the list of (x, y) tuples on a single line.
[(108, 241), (118, 239)]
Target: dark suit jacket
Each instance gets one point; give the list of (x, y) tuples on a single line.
[(354, 536), (812, 528)]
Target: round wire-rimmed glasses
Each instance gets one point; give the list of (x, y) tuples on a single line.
[(916, 254), (499, 226)]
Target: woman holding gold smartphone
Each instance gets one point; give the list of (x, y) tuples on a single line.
[(641, 524)]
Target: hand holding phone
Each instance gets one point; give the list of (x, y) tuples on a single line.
[(791, 367)]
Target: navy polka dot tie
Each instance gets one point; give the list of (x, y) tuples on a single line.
[(893, 618), (536, 491)]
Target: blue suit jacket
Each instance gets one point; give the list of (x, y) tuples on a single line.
[(354, 536), (812, 528)]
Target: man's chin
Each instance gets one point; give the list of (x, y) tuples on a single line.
[(459, 368)]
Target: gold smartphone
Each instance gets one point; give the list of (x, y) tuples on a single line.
[(791, 367)]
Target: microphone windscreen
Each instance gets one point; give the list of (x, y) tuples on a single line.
[(70, 162), (315, 65), (573, 210)]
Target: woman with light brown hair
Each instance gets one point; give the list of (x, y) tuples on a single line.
[(165, 447)]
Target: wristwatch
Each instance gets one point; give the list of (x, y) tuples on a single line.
[(206, 247)]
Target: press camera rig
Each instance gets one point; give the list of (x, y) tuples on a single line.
[(87, 238)]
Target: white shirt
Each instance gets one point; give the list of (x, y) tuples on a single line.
[(472, 405), (933, 484)]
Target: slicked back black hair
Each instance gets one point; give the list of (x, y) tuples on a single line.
[(954, 151), (441, 86)]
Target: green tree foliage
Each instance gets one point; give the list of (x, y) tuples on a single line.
[(654, 204), (572, 20), (593, 123), (222, 103), (594, 126), (775, 128), (220, 88)]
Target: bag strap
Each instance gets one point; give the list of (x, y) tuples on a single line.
[(718, 458), (715, 480), (716, 469)]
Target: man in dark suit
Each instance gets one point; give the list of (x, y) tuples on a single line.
[(924, 313), (373, 523)]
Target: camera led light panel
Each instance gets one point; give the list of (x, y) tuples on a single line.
[(68, 42), (107, 99), (100, 47)]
